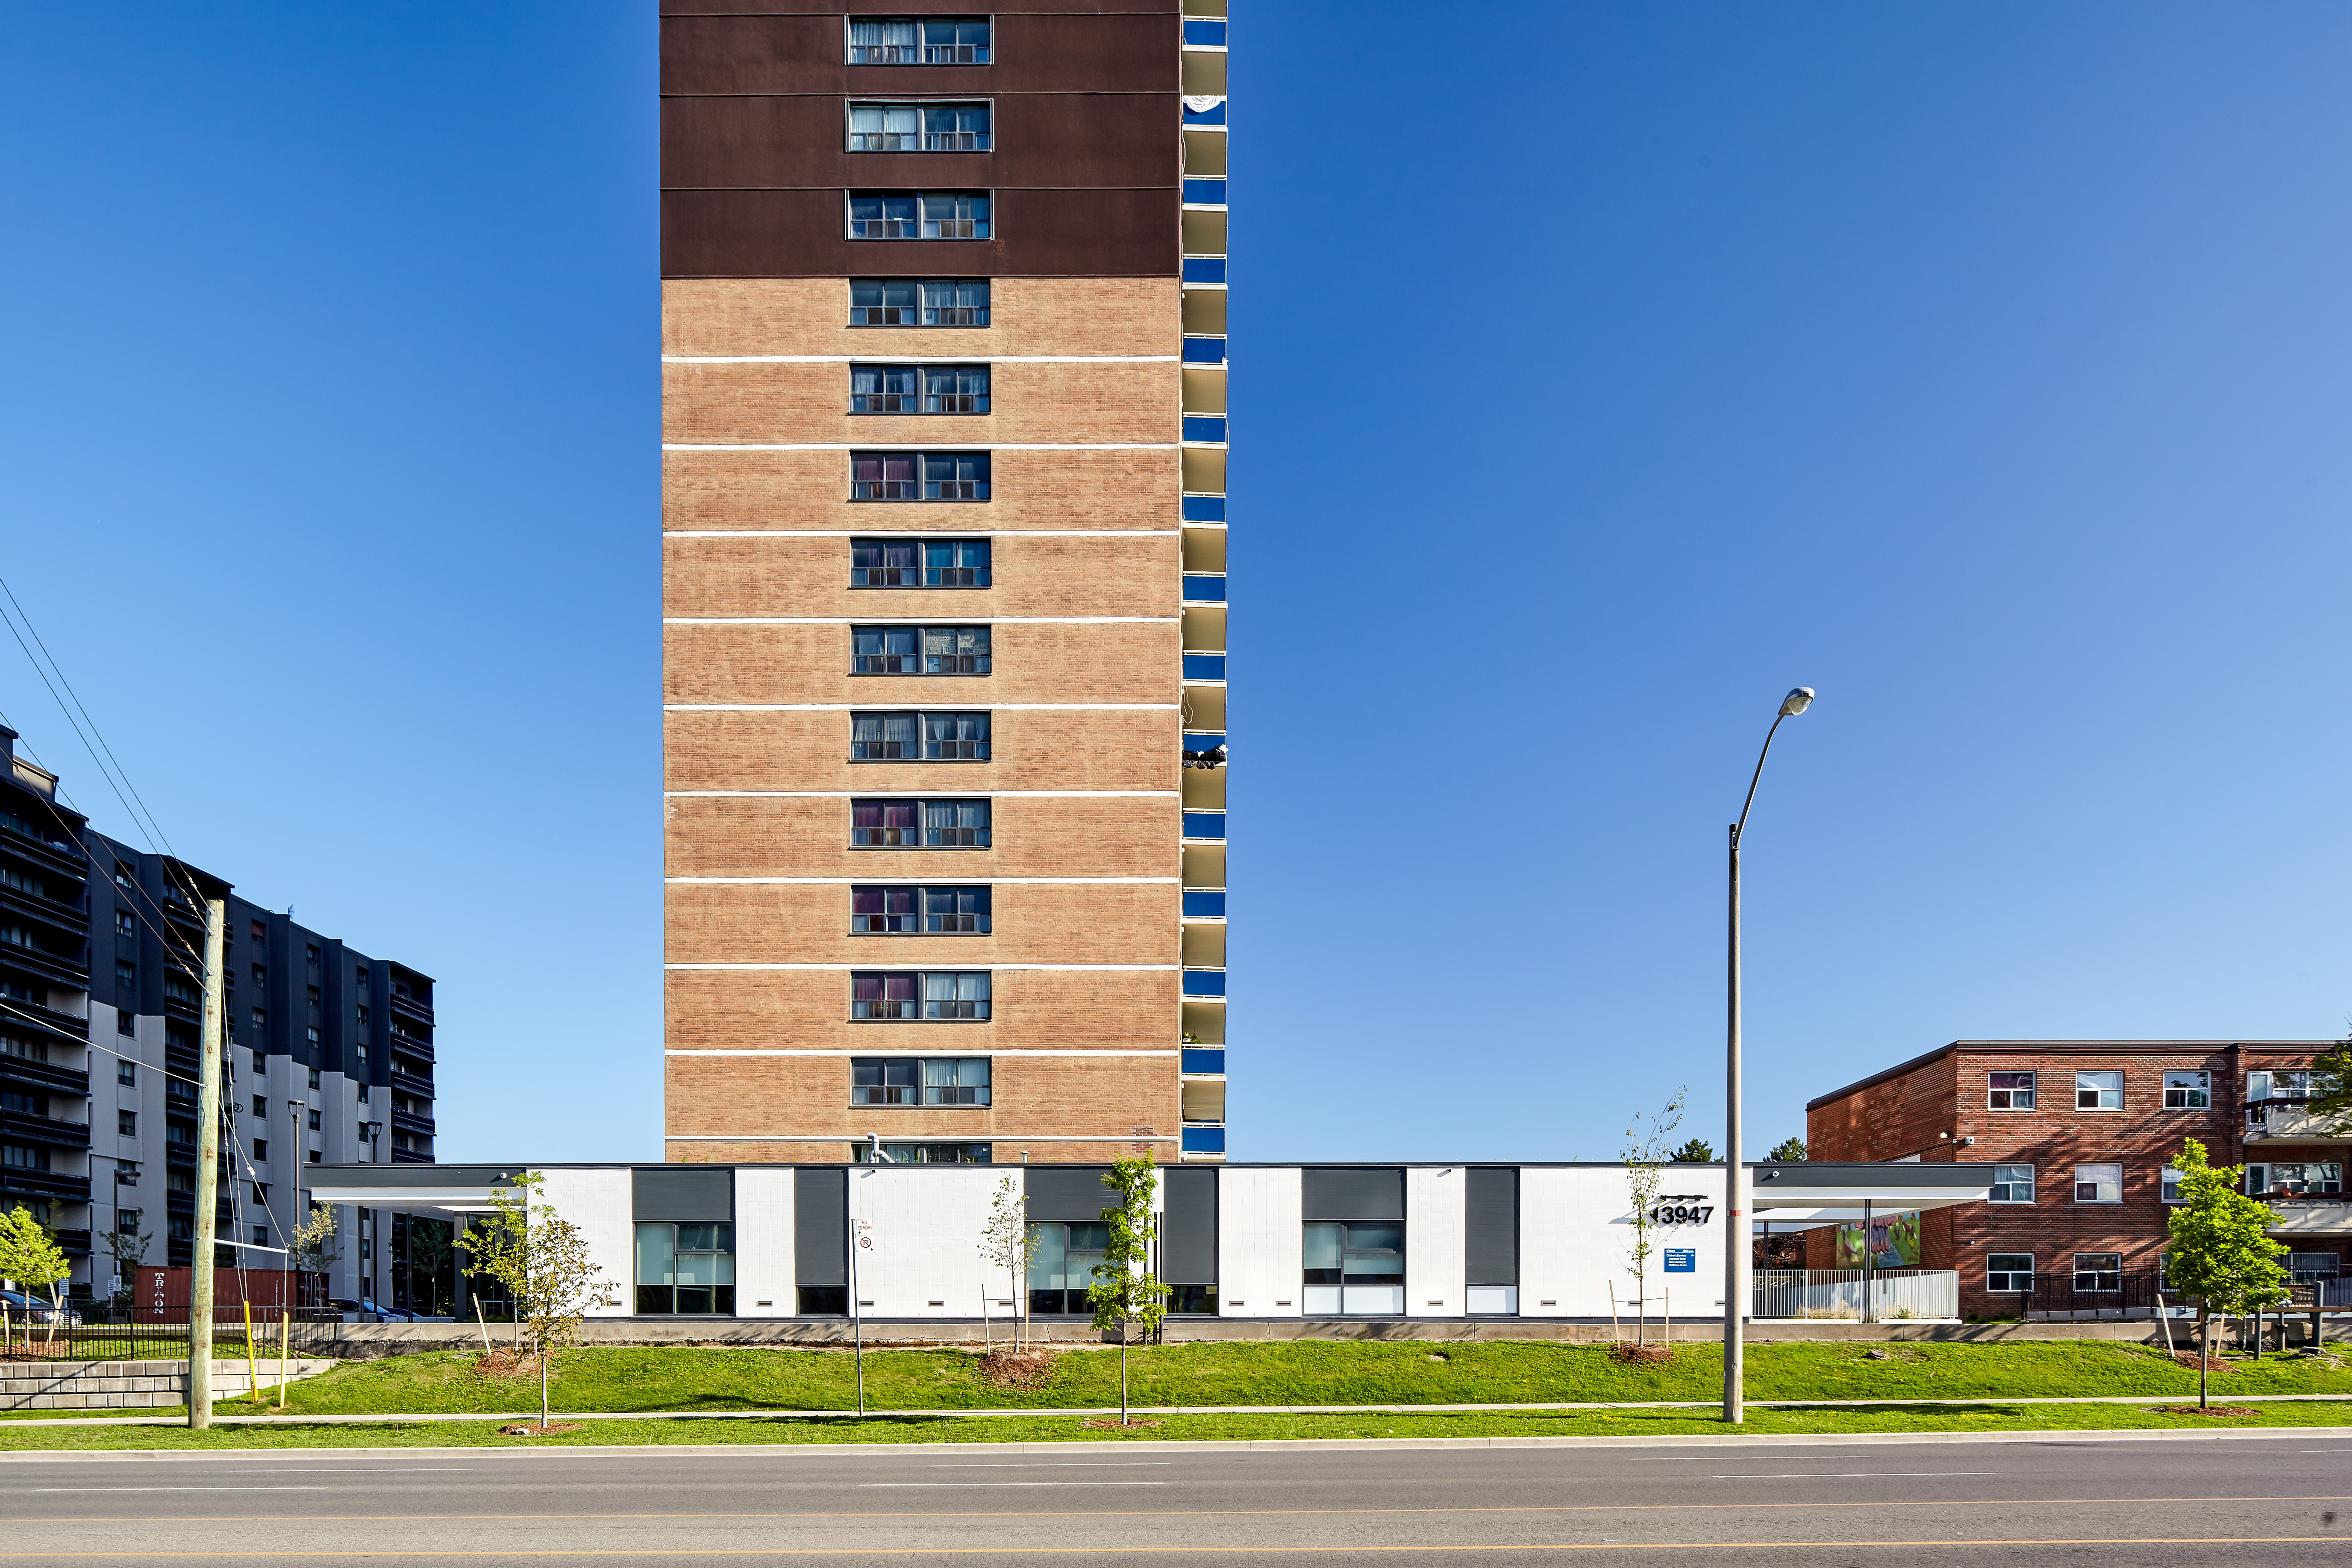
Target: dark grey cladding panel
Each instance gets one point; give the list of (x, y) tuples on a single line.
[(1491, 1228), (1353, 1191), (1068, 1192), (820, 1227), (1188, 1229), (690, 1194)]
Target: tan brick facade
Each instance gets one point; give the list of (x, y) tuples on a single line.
[(1106, 487), (1047, 574), (757, 316)]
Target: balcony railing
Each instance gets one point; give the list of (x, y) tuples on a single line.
[(1204, 667), (1204, 825), (1204, 269), (409, 1083), (1201, 904), (1215, 114), (1209, 427), (45, 1130), (1204, 193), (1204, 1059), (1204, 1140), (58, 916), (1204, 350), (1203, 588), (412, 1007), (72, 1243), (43, 1184), (1200, 35), (49, 966), (409, 1121), (403, 1045), (47, 1075), (2287, 1121), (1854, 1296), (65, 1024), (1204, 983), (49, 851), (410, 1157), (1205, 509)]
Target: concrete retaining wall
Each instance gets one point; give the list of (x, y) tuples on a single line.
[(127, 1384)]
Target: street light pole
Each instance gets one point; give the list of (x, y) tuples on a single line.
[(1736, 1240)]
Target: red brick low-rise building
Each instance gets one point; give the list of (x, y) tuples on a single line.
[(2080, 1133)]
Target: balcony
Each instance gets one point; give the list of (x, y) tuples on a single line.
[(1212, 428), (45, 1130), (64, 1026), (1204, 350), (407, 1047), (1209, 824), (56, 968), (1203, 1101), (1204, 193), (409, 1083), (50, 854), (410, 1157), (2288, 1122), (1204, 269), (72, 1243), (68, 919), (45, 1075), (1202, 984), (1204, 1061), (1204, 667), (1200, 588), (1204, 1140), (14, 1182), (409, 1121), (1215, 114), (2330, 1215), (411, 1007), (1200, 904)]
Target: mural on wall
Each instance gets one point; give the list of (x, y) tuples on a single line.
[(1894, 1243)]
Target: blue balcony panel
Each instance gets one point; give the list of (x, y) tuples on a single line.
[(1204, 590), (1204, 667), (1204, 427), (1204, 35), (1212, 115), (1203, 904), (1204, 193), (1204, 825), (1204, 1058), (1204, 1140), (1204, 269), (1204, 983), (1204, 350), (1205, 509)]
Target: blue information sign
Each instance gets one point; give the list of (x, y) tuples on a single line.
[(1682, 1260)]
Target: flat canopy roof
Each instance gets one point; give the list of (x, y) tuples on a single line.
[(1792, 1196)]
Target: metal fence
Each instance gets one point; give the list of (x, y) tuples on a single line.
[(2091, 1295), (77, 1340), (1856, 1295)]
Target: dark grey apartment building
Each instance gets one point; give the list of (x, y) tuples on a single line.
[(329, 1059)]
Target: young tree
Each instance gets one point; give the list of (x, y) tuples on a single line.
[(1124, 1290), (542, 1260), (1694, 1151), (1005, 1243), (32, 1259), (2331, 1092), (129, 1250), (1643, 1155), (1788, 1152), (311, 1246), (2220, 1256)]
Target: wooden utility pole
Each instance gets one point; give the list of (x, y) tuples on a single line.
[(208, 1124)]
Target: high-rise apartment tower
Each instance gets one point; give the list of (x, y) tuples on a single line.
[(944, 581)]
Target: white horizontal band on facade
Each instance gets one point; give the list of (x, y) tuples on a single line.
[(879, 705), (921, 1137), (918, 445), (909, 881), (965, 795), (917, 1051), (917, 620), (920, 358), (893, 534), (869, 963)]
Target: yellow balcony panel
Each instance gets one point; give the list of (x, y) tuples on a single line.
[(1204, 866), (1205, 312), (1205, 789), (1204, 708), (1205, 946), (1205, 1022), (1205, 1099), (1204, 232), (1204, 470), (1204, 549), (1205, 389), (1204, 153)]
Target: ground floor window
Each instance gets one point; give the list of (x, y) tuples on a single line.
[(2008, 1271), (2098, 1271), (685, 1268), (1062, 1261), (2306, 1267), (927, 1153), (824, 1301), (1354, 1267)]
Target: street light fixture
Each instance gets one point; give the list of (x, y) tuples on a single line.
[(1738, 1241)]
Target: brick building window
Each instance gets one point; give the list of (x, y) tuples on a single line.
[(2102, 1091), (918, 824), (2009, 1090), (918, 912), (2187, 1091), (918, 214), (937, 996), (2168, 1185), (2098, 1271), (919, 737), (919, 389), (918, 475), (2297, 1178), (2012, 1184), (2008, 1271), (2098, 1183), (919, 650), (919, 127), (919, 563), (918, 301), (2279, 1085), (926, 1153), (906, 1081), (919, 40)]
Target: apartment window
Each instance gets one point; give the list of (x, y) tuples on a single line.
[(685, 1268), (1353, 1268), (314, 1083), (310, 952), (906, 1081), (919, 389), (919, 127), (2098, 1183), (918, 475), (926, 1153), (361, 975), (260, 1105), (126, 1222), (918, 912), (180, 1226), (2009, 1271), (258, 932), (918, 824), (261, 1148), (126, 1022), (919, 563), (2168, 1185), (918, 41), (1062, 1261), (2099, 1271), (2098, 1092), (125, 923), (2009, 1091), (126, 974), (314, 1120), (260, 1065), (2187, 1091), (2278, 1084), (2012, 1184), (125, 1072), (311, 1034), (918, 301), (314, 994), (936, 996), (126, 1123), (260, 1023), (124, 877), (918, 214), (2306, 1267), (2296, 1178), (18, 1157), (919, 737)]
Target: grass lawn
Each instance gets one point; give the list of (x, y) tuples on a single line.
[(1989, 1416), (1297, 1372)]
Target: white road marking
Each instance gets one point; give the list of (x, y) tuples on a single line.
[(180, 1489), (1850, 1475), (1012, 1483), (1066, 1464)]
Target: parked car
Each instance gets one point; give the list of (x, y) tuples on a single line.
[(25, 1308)]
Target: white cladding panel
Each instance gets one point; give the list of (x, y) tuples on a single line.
[(601, 1202), (927, 1223), (1260, 1255), (1576, 1230), (1436, 1264), (763, 1242)]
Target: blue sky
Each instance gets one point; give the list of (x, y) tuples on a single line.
[(1984, 367)]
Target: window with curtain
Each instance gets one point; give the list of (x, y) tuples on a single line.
[(919, 563), (918, 824), (955, 737), (955, 823), (886, 128), (955, 302), (2098, 1183), (924, 41), (918, 301), (918, 475), (909, 911), (918, 214), (2012, 1184), (2101, 1090), (2008, 1091), (909, 1081), (919, 650), (885, 996), (919, 737), (933, 996), (919, 389)]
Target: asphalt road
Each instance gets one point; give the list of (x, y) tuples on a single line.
[(2286, 1500)]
